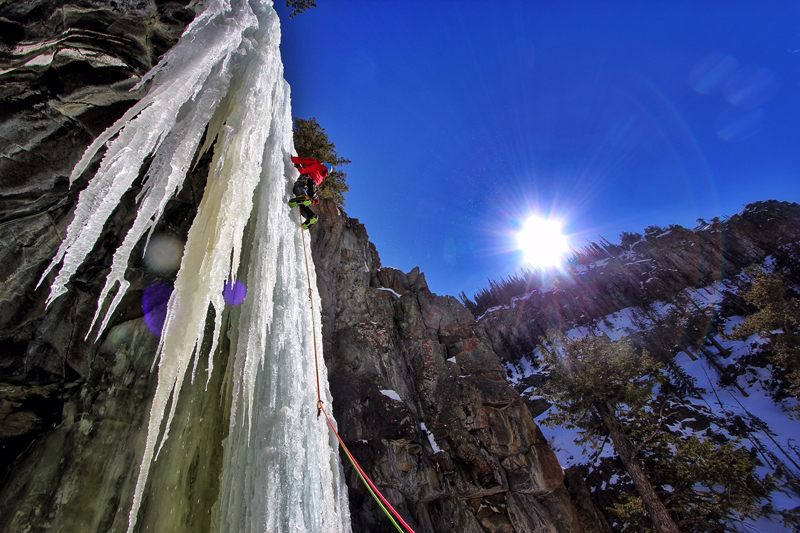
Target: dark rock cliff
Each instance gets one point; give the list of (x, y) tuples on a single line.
[(65, 77), (424, 404), (71, 409)]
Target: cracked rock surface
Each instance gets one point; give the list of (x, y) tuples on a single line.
[(424, 404), (66, 70)]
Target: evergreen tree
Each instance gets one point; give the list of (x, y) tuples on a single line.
[(299, 6), (629, 239), (605, 388), (778, 320), (591, 382), (310, 140), (711, 484)]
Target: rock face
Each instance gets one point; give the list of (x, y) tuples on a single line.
[(458, 451), (65, 73), (424, 404), (80, 475)]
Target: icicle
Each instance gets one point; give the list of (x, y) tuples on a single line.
[(163, 181), (282, 466), (204, 50), (224, 77)]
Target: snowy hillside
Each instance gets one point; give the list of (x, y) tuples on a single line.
[(681, 308)]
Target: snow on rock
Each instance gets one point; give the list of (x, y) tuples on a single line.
[(431, 440), (525, 368), (392, 394), (769, 421), (563, 441), (615, 325), (388, 290)]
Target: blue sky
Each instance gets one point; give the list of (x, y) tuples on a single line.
[(462, 118)]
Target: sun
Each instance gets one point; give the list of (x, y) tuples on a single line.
[(542, 242)]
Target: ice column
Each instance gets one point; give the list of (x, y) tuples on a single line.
[(281, 470)]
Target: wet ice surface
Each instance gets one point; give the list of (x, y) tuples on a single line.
[(281, 467)]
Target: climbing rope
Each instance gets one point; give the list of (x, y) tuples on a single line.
[(368, 482), (313, 324), (373, 490)]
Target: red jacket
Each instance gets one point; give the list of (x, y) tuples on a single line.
[(311, 167)]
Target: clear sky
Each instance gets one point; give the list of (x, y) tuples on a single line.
[(462, 118)]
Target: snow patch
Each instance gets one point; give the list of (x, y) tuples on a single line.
[(387, 289), (518, 372), (432, 442), (392, 394)]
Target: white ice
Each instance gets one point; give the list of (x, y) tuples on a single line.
[(225, 76)]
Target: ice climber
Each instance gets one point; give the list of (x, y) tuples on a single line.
[(312, 173)]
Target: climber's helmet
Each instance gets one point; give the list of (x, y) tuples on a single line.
[(329, 167)]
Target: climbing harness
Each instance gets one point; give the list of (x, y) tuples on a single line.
[(373, 490)]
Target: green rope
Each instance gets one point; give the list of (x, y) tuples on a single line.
[(320, 407), (375, 496), (361, 475)]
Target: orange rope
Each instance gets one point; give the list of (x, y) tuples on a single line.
[(313, 325), (364, 475), (320, 408)]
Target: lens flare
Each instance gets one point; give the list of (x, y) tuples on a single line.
[(752, 87), (711, 73), (737, 125), (542, 241), (154, 302), (163, 255), (234, 292)]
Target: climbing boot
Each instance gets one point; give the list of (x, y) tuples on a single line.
[(300, 200), (309, 222)]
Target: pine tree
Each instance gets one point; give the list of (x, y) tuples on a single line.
[(712, 484), (299, 6), (778, 320), (310, 140), (591, 381), (605, 388)]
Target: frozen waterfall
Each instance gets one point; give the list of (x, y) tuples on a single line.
[(281, 469)]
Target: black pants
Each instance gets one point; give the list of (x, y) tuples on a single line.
[(305, 186)]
